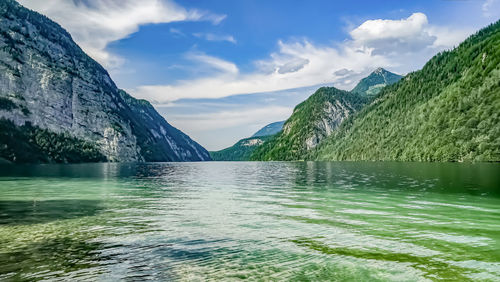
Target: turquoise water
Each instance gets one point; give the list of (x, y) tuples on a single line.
[(259, 221)]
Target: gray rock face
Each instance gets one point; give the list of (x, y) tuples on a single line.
[(56, 86), (333, 115)]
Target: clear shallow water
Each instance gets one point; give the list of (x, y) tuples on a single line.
[(258, 221)]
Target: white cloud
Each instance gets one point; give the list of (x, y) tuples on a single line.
[(177, 31), (373, 30), (214, 62), (447, 37), (215, 37), (321, 63), (491, 9), (95, 23), (400, 45), (232, 124), (400, 36), (227, 119), (293, 65)]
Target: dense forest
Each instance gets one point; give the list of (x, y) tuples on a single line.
[(241, 151), (327, 107), (448, 111), (31, 144)]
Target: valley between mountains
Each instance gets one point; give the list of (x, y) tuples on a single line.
[(449, 111), (58, 105)]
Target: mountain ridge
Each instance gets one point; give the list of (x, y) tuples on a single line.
[(243, 149), (270, 129), (318, 117), (49, 83), (373, 83), (447, 111)]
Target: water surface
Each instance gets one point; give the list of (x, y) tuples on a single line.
[(258, 221)]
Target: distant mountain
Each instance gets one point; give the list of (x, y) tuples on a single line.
[(241, 151), (59, 105), (312, 121), (447, 111), (372, 84), (270, 129)]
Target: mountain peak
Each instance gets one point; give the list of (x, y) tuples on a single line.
[(270, 129), (378, 79), (72, 97)]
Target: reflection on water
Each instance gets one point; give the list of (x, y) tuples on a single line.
[(35, 211), (269, 221)]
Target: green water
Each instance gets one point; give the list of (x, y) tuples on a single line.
[(257, 221)]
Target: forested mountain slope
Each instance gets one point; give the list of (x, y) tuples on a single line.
[(241, 151), (448, 111), (52, 95), (373, 84), (320, 115), (311, 122)]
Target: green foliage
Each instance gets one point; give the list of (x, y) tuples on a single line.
[(241, 151), (290, 144), (6, 104), (30, 144), (448, 111), (117, 127)]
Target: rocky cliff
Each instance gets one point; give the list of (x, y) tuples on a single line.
[(447, 111), (312, 121), (48, 82), (320, 115)]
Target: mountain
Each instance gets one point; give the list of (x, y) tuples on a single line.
[(319, 116), (61, 106), (241, 151), (372, 84), (311, 122), (447, 111), (270, 129)]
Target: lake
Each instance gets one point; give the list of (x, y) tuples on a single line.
[(297, 221)]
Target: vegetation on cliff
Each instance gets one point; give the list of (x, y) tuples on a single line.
[(448, 111), (31, 144)]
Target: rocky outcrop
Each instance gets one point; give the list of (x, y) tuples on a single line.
[(54, 85), (333, 115), (318, 117), (311, 121)]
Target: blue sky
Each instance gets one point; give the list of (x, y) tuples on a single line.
[(220, 70)]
